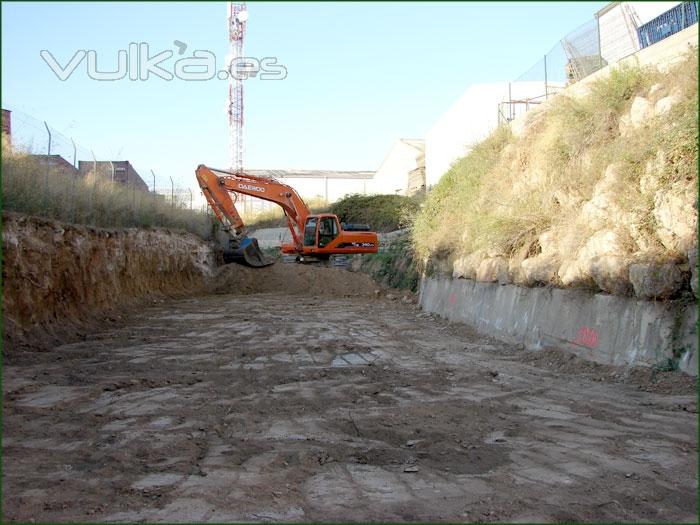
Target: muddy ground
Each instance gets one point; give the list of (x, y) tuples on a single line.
[(277, 407)]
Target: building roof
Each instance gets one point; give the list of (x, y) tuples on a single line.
[(419, 144), (56, 160), (312, 174), (605, 9)]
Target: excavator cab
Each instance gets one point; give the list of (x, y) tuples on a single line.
[(327, 231), (319, 232)]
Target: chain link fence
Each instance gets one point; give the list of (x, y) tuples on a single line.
[(570, 60), (582, 52), (48, 174)]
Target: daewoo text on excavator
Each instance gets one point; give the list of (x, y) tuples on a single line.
[(315, 237)]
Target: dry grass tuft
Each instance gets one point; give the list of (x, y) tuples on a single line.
[(28, 187)]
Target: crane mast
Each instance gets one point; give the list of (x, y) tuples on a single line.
[(237, 17)]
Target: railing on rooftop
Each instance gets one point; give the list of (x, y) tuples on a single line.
[(672, 21)]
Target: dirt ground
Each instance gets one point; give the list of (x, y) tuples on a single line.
[(275, 406)]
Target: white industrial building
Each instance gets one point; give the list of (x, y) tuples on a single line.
[(328, 185), (470, 119), (403, 170)]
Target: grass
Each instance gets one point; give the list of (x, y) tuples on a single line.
[(508, 190), (384, 213), (28, 187), (394, 266)]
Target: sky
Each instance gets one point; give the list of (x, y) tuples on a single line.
[(359, 76)]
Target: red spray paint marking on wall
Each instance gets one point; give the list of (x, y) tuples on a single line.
[(452, 299), (587, 337)]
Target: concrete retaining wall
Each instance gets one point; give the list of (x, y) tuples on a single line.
[(604, 328)]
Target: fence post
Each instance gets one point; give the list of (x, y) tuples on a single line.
[(94, 184), (546, 91), (600, 50), (172, 193), (72, 184), (510, 103), (48, 165)]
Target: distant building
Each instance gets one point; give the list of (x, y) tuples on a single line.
[(7, 123), (118, 171), (403, 170), (329, 185), (472, 118), (58, 164)]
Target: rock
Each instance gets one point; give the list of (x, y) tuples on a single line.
[(466, 267), (693, 263), (411, 468), (676, 216), (640, 112), (665, 104), (541, 269), (603, 208), (649, 181), (493, 270), (624, 125), (611, 274), (600, 262), (515, 271), (656, 281), (653, 89), (548, 242)]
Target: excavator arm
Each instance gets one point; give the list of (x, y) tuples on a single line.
[(218, 186)]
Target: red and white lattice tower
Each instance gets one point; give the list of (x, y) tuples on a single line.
[(237, 18)]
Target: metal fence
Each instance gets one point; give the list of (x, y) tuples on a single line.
[(61, 153), (48, 174), (578, 55), (573, 58)]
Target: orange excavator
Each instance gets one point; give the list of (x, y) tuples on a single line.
[(315, 237)]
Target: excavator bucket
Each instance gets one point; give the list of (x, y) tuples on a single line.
[(248, 252)]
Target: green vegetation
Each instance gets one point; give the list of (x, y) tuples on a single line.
[(509, 189), (28, 188), (384, 213), (394, 265)]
